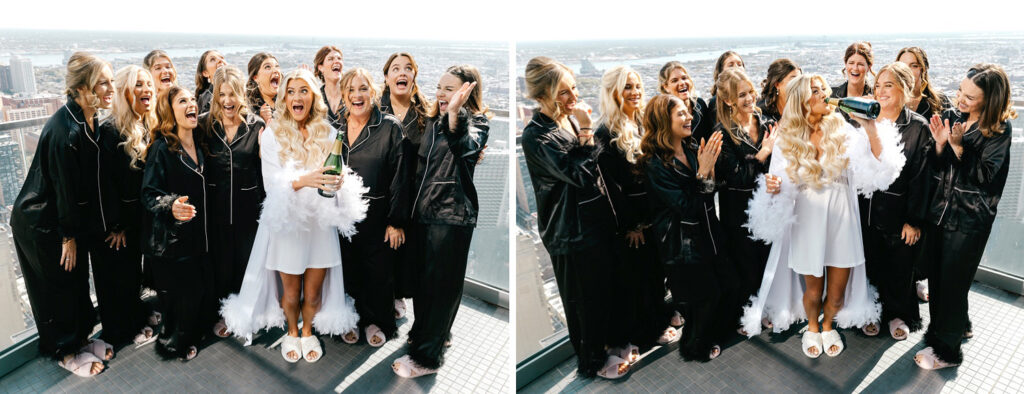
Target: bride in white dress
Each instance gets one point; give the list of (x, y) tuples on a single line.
[(296, 254), (807, 209)]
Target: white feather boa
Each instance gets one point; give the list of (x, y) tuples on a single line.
[(867, 173), (288, 210)]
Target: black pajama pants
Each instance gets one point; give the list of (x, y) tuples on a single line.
[(890, 268), (117, 274), (957, 256), (584, 281), (368, 264), (185, 289), (640, 314), (445, 253)]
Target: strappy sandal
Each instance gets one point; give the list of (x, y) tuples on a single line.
[(831, 338), (400, 308), (352, 337), (715, 352), (221, 330), (898, 324), (144, 337), (291, 344), (192, 353), (309, 345), (926, 359), (374, 332), (677, 320), (614, 368), (102, 350), (630, 353), (155, 319), (81, 364), (668, 336), (922, 290), (811, 340), (406, 368), (870, 329)]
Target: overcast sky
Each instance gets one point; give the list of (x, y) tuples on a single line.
[(521, 20)]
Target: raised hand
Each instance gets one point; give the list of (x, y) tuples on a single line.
[(459, 98), (708, 153), (940, 132), (767, 144)]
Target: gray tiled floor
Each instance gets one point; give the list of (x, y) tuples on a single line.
[(993, 362), (478, 362)]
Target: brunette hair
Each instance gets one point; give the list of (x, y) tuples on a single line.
[(543, 74), (927, 90), (656, 142), (202, 82), (475, 101), (153, 56), (666, 72), (720, 65), (167, 125), (253, 88), (320, 56), (777, 71), (995, 87), (862, 48), (418, 101)]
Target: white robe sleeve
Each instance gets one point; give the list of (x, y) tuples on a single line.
[(289, 210), (869, 174), (771, 216)]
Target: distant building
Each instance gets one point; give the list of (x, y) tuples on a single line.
[(14, 114), (12, 170), (5, 79), (23, 80), (36, 106), (587, 69), (1011, 204)]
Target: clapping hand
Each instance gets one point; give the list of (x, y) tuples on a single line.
[(708, 153)]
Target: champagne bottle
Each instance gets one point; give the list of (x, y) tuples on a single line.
[(856, 106), (334, 159)]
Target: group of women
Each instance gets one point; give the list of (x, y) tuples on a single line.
[(819, 213), (256, 200)]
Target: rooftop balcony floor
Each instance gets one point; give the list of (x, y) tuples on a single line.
[(477, 362), (993, 362)]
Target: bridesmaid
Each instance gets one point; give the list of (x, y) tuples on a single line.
[(376, 149), (680, 182), (575, 217), (403, 99), (726, 60), (209, 62), (446, 213), (746, 153), (54, 220), (642, 317), (857, 61), (972, 160), (118, 278), (176, 237), (162, 69), (926, 101), (235, 182), (328, 64), (673, 79), (261, 88), (773, 88), (891, 220)]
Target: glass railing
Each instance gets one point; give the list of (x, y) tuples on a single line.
[(488, 253)]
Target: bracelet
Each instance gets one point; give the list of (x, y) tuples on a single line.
[(586, 128)]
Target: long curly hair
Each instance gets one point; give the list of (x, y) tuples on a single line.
[(167, 124), (233, 77), (133, 126), (312, 151), (657, 142), (794, 141), (625, 131)]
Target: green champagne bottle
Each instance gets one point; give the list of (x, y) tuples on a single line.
[(856, 106), (334, 159)]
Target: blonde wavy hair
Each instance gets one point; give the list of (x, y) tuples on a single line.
[(232, 76), (543, 75), (84, 70), (625, 131), (730, 83), (794, 141), (133, 126), (312, 151)]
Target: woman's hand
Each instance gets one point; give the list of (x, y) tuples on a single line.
[(708, 153), (635, 238), (318, 180), (182, 210), (456, 102), (116, 240), (910, 234), (582, 113), (394, 237), (940, 132), (956, 138), (772, 183), (68, 254), (767, 144), (480, 157), (267, 113), (867, 124)]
